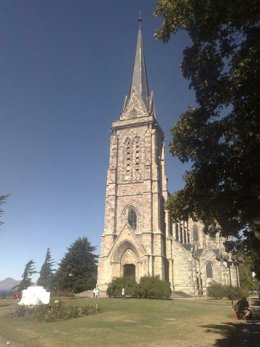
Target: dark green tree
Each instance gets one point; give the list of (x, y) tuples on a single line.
[(220, 136), (78, 269), (46, 272), (29, 270)]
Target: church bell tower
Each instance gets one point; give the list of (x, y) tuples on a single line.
[(134, 237)]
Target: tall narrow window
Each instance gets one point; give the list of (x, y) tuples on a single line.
[(136, 157), (177, 231), (184, 233), (195, 232), (181, 234), (209, 271), (132, 218), (127, 158)]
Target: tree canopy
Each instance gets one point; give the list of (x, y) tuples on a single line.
[(220, 136), (46, 272), (29, 270), (78, 268)]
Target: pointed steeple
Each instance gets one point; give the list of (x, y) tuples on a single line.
[(139, 101), (139, 77)]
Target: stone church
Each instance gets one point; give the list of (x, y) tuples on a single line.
[(139, 238)]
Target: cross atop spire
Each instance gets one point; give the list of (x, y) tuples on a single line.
[(140, 20)]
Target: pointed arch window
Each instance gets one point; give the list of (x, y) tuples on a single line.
[(195, 232), (209, 270), (132, 218)]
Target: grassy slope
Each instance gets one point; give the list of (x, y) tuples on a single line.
[(126, 322)]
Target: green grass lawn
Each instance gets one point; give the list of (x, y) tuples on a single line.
[(131, 322)]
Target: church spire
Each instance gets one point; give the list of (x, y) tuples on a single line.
[(139, 102), (139, 77)]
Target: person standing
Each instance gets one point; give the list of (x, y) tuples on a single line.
[(94, 293), (123, 292), (97, 291)]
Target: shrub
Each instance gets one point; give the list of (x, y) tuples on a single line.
[(236, 293), (149, 287), (218, 291), (153, 288), (55, 311), (115, 287), (63, 293)]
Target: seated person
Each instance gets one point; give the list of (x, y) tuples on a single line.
[(242, 308)]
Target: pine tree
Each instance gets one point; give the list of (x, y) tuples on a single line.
[(78, 268), (46, 272), (27, 274)]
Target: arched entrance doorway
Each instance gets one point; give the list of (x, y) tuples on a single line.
[(126, 256), (129, 271)]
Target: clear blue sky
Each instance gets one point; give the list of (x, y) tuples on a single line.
[(65, 69)]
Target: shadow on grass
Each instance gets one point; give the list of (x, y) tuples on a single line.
[(236, 334)]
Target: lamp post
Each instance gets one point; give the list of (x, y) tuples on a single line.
[(236, 261), (196, 257), (229, 262), (70, 275), (225, 259)]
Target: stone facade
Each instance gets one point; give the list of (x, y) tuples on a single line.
[(194, 256), (138, 237)]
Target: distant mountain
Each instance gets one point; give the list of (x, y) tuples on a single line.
[(8, 283)]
